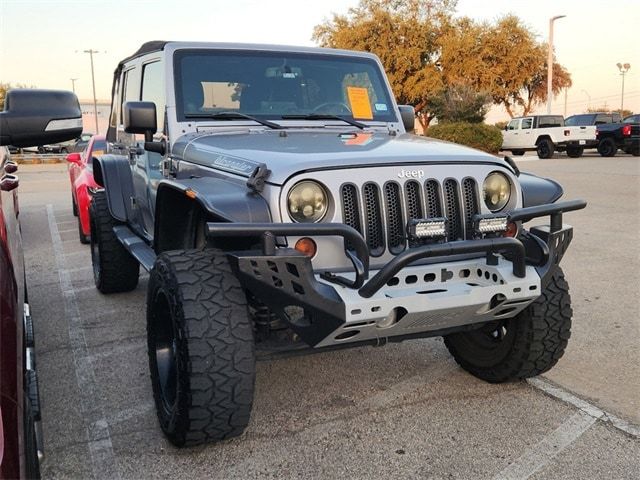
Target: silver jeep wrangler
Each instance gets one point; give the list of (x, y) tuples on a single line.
[(281, 206)]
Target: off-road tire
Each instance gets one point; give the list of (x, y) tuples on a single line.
[(545, 148), (84, 239), (575, 152), (607, 147), (635, 151), (517, 153), (114, 269), (535, 339), (201, 347), (32, 464)]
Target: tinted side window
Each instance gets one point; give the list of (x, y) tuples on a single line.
[(513, 124), (527, 123), (153, 88), (114, 101), (600, 119), (129, 89), (550, 121)]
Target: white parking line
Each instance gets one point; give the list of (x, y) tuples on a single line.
[(100, 447), (586, 407), (541, 454)]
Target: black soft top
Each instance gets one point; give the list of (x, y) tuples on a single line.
[(148, 47)]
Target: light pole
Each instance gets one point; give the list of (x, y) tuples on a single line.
[(73, 84), (93, 81), (589, 101), (550, 62), (623, 71)]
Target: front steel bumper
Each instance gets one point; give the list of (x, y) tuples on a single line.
[(402, 299)]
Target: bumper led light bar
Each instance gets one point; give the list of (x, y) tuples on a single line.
[(427, 228), (490, 223)]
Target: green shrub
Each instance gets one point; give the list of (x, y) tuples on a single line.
[(476, 135)]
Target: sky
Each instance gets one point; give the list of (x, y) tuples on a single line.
[(42, 41)]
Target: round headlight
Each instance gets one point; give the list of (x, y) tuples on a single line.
[(496, 191), (307, 202)]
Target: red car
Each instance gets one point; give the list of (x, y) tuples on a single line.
[(83, 186), (31, 117)]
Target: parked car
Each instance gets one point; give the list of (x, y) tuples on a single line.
[(280, 198), (81, 143), (58, 118), (83, 186), (63, 147), (595, 118), (624, 136), (546, 134)]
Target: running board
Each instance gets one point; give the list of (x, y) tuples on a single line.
[(136, 246)]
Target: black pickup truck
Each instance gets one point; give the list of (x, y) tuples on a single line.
[(614, 136)]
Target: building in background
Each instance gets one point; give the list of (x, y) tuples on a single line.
[(88, 122)]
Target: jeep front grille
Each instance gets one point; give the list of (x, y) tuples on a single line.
[(383, 213)]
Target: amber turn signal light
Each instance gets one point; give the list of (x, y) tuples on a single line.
[(512, 230), (306, 246)]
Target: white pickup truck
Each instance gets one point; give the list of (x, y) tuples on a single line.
[(546, 134)]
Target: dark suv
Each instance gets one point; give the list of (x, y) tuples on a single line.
[(31, 117)]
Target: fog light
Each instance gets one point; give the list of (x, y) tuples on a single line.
[(306, 246), (427, 228), (490, 224)]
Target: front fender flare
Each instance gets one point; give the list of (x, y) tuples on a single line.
[(113, 172), (538, 190), (225, 200)]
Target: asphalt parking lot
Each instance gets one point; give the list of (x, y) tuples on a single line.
[(402, 411)]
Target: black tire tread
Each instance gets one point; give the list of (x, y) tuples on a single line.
[(543, 331), (119, 270), (607, 147), (211, 310)]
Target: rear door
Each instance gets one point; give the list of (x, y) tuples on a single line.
[(510, 135), (525, 139)]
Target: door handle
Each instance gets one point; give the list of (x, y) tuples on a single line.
[(8, 183)]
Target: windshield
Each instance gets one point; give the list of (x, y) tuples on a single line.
[(579, 121), (273, 85)]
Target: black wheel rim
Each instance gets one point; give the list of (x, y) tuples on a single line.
[(491, 343), (543, 150), (165, 350)]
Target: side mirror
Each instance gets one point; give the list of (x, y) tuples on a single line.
[(74, 158), (408, 115), (39, 117), (140, 117)]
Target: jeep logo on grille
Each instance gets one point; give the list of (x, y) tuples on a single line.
[(411, 174)]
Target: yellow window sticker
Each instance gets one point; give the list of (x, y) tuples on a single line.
[(97, 153), (359, 102)]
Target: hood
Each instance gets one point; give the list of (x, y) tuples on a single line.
[(287, 152)]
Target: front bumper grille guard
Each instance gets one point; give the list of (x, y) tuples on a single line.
[(359, 256)]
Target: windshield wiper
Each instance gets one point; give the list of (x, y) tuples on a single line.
[(324, 116), (232, 116)]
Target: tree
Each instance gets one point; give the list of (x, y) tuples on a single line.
[(503, 59), (426, 50), (405, 37), (460, 103)]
